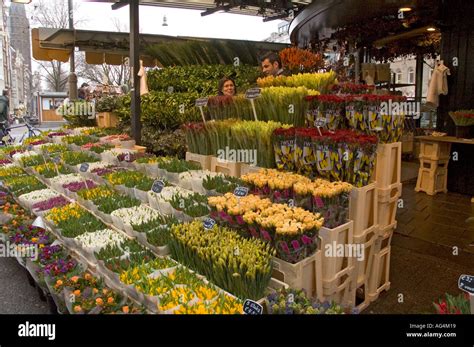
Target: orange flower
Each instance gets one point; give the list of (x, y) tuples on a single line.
[(77, 292), (125, 309), (87, 277), (75, 279), (77, 308), (105, 291), (95, 290), (99, 301), (59, 283), (110, 300)]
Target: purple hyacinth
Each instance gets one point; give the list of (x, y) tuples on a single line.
[(57, 201), (77, 186)]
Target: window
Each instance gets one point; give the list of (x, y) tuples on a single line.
[(398, 76), (411, 75)]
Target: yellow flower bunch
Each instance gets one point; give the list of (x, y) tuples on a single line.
[(316, 81), (65, 213), (49, 166), (238, 206), (177, 296), (11, 171), (95, 193), (276, 180), (289, 220), (326, 189), (224, 305)]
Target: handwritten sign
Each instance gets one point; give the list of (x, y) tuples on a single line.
[(201, 102), (209, 223), (466, 283), (158, 186), (252, 307), (241, 191), (253, 93), (84, 167)]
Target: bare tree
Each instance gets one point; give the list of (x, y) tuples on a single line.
[(116, 75), (54, 14)]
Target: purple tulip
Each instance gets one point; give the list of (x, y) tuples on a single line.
[(77, 186)]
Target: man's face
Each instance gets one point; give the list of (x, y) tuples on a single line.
[(268, 68)]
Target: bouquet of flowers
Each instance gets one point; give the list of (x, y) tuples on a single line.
[(453, 304), (325, 111), (305, 156), (462, 117), (321, 82), (284, 147)]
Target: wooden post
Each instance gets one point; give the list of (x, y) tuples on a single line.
[(135, 64)]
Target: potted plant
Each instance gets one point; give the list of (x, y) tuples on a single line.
[(463, 119)]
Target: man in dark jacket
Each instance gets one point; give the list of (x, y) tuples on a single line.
[(271, 65)]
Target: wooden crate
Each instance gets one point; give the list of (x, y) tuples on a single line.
[(433, 165), (301, 275), (384, 238), (364, 267), (432, 182), (107, 120), (332, 239), (225, 167), (408, 143), (435, 150), (379, 279), (388, 168), (203, 160), (363, 208)]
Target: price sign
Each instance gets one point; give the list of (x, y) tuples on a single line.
[(466, 283), (158, 186), (253, 93), (29, 148), (320, 122), (252, 307), (56, 160), (84, 167), (127, 157), (209, 223), (201, 102), (241, 191)]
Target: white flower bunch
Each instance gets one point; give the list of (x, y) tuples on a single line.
[(38, 196), (97, 240), (168, 192), (137, 215), (6, 166), (65, 179), (18, 156)]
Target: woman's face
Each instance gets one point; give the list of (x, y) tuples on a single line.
[(229, 88)]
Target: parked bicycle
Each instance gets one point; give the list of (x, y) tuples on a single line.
[(7, 139)]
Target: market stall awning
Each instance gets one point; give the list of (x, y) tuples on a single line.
[(156, 50), (266, 9)]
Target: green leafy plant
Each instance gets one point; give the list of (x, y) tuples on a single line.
[(451, 304)]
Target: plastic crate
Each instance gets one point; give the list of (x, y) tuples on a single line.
[(435, 150), (379, 279), (432, 182)]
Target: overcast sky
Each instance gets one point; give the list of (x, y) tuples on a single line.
[(100, 16)]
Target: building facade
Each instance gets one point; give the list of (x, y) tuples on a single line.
[(20, 55), (282, 35)]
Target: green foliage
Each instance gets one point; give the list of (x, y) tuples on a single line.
[(78, 113), (107, 103), (202, 80)]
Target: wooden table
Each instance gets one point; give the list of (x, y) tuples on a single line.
[(435, 154)]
